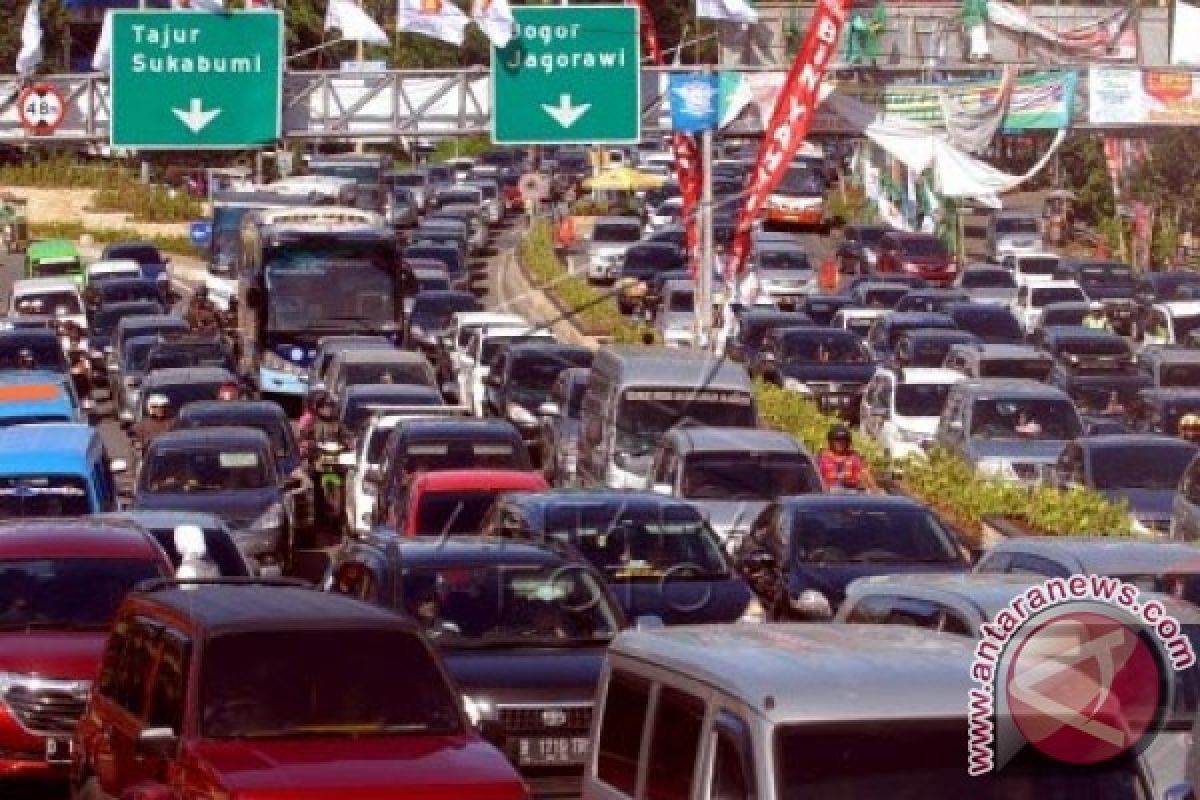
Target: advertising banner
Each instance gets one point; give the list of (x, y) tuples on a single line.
[(1119, 96), (1040, 101)]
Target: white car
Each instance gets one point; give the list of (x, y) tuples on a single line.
[(1033, 297), (1030, 268), (464, 323), (476, 358), (668, 212), (58, 298), (99, 271), (1171, 323), (606, 247), (901, 408), (859, 320), (368, 453)]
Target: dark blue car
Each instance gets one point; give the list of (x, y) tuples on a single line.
[(803, 551)]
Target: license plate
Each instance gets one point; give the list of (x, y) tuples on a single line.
[(552, 751), (836, 400), (58, 751)]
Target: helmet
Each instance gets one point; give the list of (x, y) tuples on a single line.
[(1189, 422), (157, 401), (839, 433)]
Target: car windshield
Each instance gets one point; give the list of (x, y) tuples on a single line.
[(180, 394), (803, 180), (988, 279), (462, 454), (747, 475), (783, 259), (219, 547), (43, 496), (316, 683), (453, 512), (67, 592), (754, 332), (278, 430), (646, 414), (1045, 295), (923, 246), (823, 349), (1184, 325), (57, 267), (995, 323), (681, 301), (1114, 397), (167, 471), (459, 198), (394, 373), (105, 319), (916, 759), (411, 180), (655, 259), (1184, 375), (1028, 419), (1149, 466), (533, 378), (1108, 277), (504, 605), (299, 277), (54, 303), (617, 233), (921, 399), (1097, 346), (359, 407), (180, 356), (123, 291), (143, 254), (884, 297), (436, 312), (1044, 266), (863, 535), (47, 353), (1035, 369), (1017, 225)]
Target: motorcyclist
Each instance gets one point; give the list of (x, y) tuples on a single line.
[(229, 391), (81, 372), (1189, 428), (328, 431), (201, 315), (843, 467), (156, 420)]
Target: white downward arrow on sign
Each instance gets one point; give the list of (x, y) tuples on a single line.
[(565, 113), (196, 118)]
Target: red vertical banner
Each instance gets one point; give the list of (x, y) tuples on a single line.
[(791, 119), (683, 146)]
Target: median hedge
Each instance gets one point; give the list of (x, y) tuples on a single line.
[(593, 311), (951, 486)]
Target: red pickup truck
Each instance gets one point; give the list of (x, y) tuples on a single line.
[(60, 583), (455, 501)]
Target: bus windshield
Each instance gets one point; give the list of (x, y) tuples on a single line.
[(299, 276)]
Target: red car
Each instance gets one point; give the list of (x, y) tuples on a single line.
[(269, 692), (455, 501), (920, 254), (60, 583)]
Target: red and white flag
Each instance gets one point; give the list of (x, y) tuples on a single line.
[(437, 19), (791, 119), (495, 19)]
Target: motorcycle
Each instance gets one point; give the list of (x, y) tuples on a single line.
[(330, 481)]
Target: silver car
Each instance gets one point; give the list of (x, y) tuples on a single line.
[(606, 247), (676, 324), (987, 283), (1013, 233)]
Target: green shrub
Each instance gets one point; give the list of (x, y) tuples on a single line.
[(149, 203), (467, 147), (952, 486), (179, 245), (63, 172)]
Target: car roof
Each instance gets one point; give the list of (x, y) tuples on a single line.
[(254, 409), (51, 248), (477, 318), (618, 221), (239, 608), (161, 520), (657, 366), (44, 285), (500, 480), (1112, 441), (381, 356), (1109, 555), (114, 265), (1057, 283), (547, 347), (20, 398), (926, 374), (704, 439), (864, 502), (793, 673), (1169, 355), (987, 350), (954, 334), (989, 593), (390, 390), (1169, 393), (51, 447), (1081, 332), (76, 537), (177, 375), (573, 498), (218, 435), (468, 550), (919, 319), (1185, 308), (1009, 387), (458, 427)]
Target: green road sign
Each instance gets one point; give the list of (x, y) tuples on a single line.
[(196, 80), (570, 74)]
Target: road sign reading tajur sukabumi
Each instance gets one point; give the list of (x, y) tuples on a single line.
[(570, 74), (196, 80)]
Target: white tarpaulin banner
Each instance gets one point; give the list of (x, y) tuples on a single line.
[(1126, 96), (1185, 37), (1109, 39)]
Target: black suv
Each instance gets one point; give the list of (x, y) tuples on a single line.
[(520, 380), (522, 630), (830, 366)]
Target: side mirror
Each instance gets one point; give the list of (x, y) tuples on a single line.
[(157, 742), (548, 409), (118, 466), (664, 488)]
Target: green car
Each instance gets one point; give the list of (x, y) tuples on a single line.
[(55, 258)]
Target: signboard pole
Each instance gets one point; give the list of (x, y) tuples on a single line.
[(704, 281)]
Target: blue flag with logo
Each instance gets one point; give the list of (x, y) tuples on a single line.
[(694, 101)]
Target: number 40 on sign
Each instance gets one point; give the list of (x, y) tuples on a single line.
[(41, 108)]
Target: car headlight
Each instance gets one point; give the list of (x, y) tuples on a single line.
[(273, 361), (520, 415), (793, 385), (910, 267), (477, 709), (9, 679), (811, 603), (754, 612), (273, 517)]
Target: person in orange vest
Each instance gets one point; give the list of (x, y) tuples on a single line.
[(1102, 249), (827, 275), (564, 235)]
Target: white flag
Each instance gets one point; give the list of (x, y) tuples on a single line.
[(354, 23), (31, 41), (1185, 38), (729, 10), (439, 19), (495, 19), (199, 5), (103, 55)]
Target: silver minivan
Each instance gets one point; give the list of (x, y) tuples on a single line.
[(611, 237), (1013, 233)]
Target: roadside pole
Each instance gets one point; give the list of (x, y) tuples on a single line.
[(704, 280)]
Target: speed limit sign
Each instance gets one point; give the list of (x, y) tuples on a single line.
[(41, 108)]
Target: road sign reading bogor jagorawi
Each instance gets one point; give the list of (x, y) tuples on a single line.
[(570, 74), (196, 80)]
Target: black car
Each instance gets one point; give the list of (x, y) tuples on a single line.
[(859, 249), (221, 548), (928, 347), (519, 383), (879, 294), (423, 445), (431, 315), (359, 402), (521, 628), (262, 415), (1171, 367), (831, 367), (670, 234), (658, 554), (1107, 282), (148, 256), (803, 551), (752, 327), (1089, 349), (183, 350), (931, 300), (449, 255), (560, 422), (821, 308), (640, 264), (125, 290), (1102, 396), (1159, 410), (1057, 315), (42, 343), (102, 324), (888, 329), (990, 323)]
